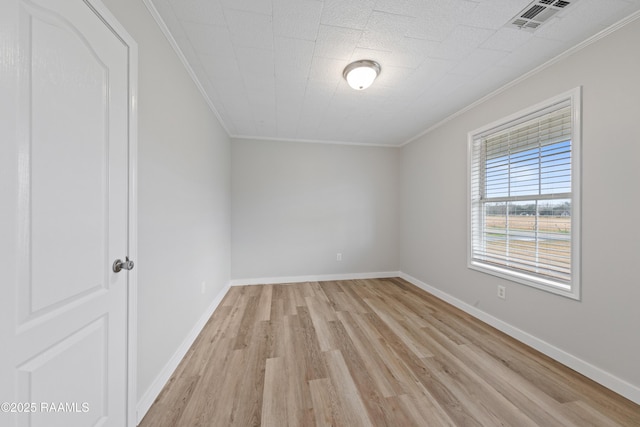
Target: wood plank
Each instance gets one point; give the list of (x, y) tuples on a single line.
[(584, 415), (320, 313), (264, 303), (405, 381), (249, 392), (335, 295), (211, 406), (274, 403), (308, 343), (381, 375), (409, 336), (352, 290), (354, 410), (298, 394), (362, 376), (326, 408), (421, 411), (246, 323)]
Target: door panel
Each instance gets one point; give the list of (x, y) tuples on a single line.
[(68, 81), (79, 361), (65, 184)]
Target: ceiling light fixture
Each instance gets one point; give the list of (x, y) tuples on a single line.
[(361, 74)]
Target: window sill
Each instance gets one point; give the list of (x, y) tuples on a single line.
[(558, 288)]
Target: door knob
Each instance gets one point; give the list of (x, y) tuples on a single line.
[(122, 265)]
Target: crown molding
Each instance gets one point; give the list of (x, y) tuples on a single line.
[(311, 141), (174, 44)]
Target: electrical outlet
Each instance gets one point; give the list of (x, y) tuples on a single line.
[(338, 256), (502, 292)]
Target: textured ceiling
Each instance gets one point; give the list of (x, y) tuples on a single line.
[(273, 68)]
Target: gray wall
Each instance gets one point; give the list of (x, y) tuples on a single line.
[(295, 205), (602, 329), (184, 197)]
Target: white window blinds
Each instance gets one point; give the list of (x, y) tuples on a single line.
[(521, 184)]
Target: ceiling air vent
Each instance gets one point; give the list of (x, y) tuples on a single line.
[(537, 13)]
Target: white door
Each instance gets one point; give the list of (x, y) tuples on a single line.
[(64, 194)]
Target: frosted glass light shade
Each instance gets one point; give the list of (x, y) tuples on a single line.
[(361, 74)]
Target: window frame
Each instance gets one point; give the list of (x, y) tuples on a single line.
[(570, 289)]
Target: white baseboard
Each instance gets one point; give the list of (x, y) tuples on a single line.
[(317, 278), (156, 387), (600, 376)]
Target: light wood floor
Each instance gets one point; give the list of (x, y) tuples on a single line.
[(370, 352)]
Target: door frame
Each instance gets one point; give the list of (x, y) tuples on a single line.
[(132, 218)]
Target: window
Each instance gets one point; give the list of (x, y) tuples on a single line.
[(524, 184)]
